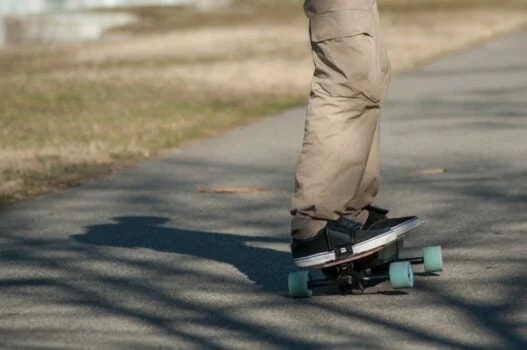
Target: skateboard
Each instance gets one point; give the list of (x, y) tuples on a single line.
[(358, 272)]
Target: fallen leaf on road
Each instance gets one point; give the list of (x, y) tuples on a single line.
[(228, 190), (431, 171)]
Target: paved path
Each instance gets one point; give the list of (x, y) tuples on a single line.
[(142, 260)]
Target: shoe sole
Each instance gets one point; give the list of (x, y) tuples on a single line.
[(396, 232)]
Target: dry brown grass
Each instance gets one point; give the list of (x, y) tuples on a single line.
[(68, 114)]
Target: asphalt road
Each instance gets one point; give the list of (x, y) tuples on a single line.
[(142, 260)]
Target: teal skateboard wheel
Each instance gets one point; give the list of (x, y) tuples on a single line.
[(433, 259), (401, 275), (298, 284)]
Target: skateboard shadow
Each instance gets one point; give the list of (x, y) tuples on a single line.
[(376, 290), (267, 268), (427, 274)]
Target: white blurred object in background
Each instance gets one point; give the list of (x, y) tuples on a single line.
[(23, 7), (52, 21)]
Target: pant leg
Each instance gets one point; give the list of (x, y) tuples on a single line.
[(369, 186), (338, 164)]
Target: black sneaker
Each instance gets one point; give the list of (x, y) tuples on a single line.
[(378, 219), (375, 215), (339, 240)]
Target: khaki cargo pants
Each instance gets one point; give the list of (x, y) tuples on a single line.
[(338, 167)]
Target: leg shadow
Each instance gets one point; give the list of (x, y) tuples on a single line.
[(268, 268)]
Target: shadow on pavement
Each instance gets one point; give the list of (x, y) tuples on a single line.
[(266, 267), (174, 287)]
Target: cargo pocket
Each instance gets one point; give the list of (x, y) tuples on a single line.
[(346, 54), (341, 24)]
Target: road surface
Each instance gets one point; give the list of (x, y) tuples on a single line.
[(143, 260)]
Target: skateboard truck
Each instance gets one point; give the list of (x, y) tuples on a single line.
[(349, 279), (367, 272)]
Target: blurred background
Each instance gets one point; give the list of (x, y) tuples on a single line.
[(65, 20), (91, 86)]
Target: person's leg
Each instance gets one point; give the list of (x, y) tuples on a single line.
[(369, 185), (338, 167)]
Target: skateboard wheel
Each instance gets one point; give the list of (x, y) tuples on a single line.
[(401, 274), (433, 259), (298, 284)]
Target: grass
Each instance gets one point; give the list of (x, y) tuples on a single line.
[(72, 113), (242, 12)]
